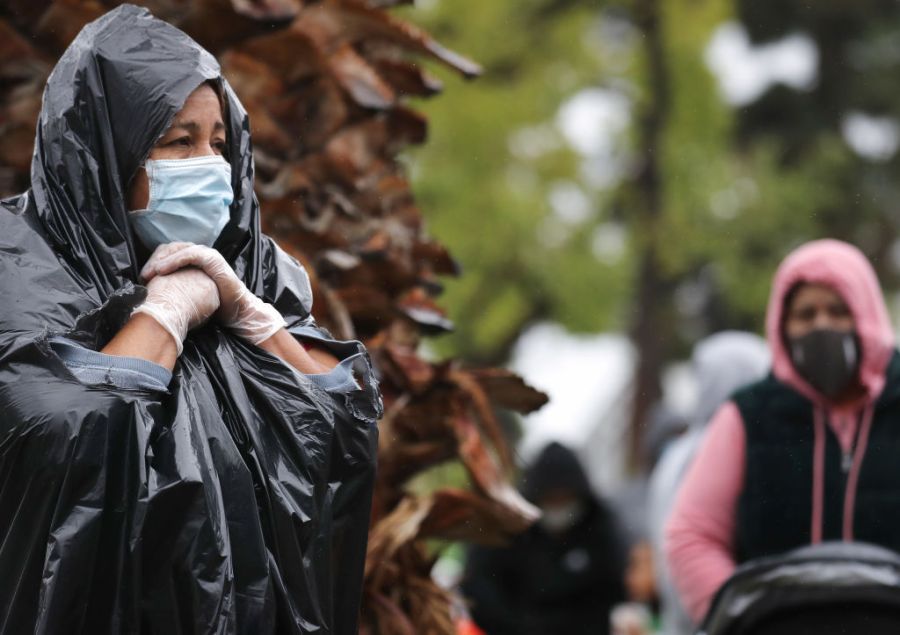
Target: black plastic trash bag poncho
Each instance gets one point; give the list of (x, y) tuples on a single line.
[(238, 502), (832, 588)]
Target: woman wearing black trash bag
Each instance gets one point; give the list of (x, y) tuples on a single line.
[(167, 466)]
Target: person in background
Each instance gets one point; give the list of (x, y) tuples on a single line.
[(640, 613), (809, 453), (721, 363), (561, 576)]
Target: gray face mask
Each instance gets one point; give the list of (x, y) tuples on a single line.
[(827, 359)]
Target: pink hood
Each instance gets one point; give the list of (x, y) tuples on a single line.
[(846, 270)]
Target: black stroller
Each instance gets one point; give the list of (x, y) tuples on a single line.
[(828, 589)]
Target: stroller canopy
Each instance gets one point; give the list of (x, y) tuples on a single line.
[(826, 589)]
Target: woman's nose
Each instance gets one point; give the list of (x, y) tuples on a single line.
[(823, 320), (205, 150)]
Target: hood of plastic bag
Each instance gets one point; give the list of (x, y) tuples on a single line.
[(111, 96)]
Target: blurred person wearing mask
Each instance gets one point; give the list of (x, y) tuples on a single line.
[(721, 364), (561, 576), (182, 448), (809, 453)]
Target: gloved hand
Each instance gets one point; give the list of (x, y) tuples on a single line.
[(248, 316), (180, 301)]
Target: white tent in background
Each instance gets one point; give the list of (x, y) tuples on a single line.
[(588, 378)]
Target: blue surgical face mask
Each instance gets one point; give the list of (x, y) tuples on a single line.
[(189, 201)]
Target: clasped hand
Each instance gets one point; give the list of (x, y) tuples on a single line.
[(187, 284)]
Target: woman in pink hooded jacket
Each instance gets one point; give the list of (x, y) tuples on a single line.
[(811, 452)]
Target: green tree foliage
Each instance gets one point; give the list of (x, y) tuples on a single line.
[(859, 74), (492, 159), (740, 186)]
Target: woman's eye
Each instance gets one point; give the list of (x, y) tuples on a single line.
[(180, 141), (840, 311)]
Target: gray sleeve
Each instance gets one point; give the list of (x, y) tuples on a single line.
[(340, 378), (92, 367)]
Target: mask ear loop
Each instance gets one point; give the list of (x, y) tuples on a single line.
[(138, 251), (142, 166)]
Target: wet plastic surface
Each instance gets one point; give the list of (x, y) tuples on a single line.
[(827, 588), (236, 503)]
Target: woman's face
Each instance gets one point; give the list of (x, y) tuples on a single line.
[(196, 131), (814, 307)]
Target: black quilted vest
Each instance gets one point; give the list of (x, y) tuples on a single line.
[(774, 511)]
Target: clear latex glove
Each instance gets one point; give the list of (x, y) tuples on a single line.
[(248, 316), (180, 301)]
